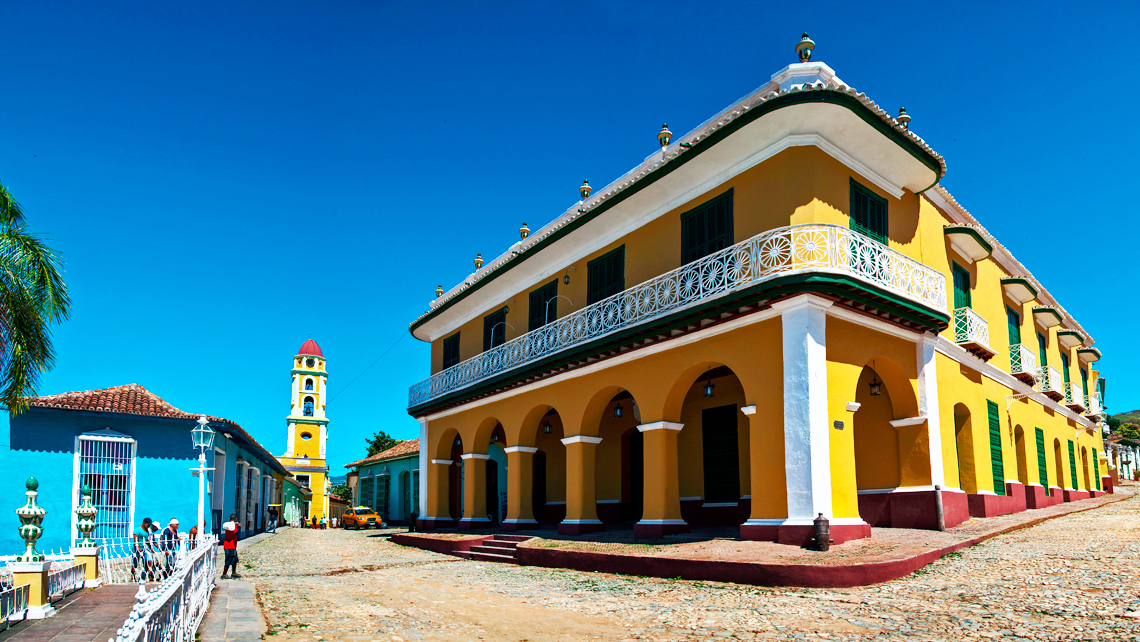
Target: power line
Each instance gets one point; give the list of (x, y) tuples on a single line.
[(398, 339)]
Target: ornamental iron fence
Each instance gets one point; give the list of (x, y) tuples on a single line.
[(124, 560), (14, 603), (1074, 396), (970, 327), (1022, 359), (796, 249), (172, 611), (1051, 380), (1095, 409), (66, 579)]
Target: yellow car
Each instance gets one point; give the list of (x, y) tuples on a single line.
[(361, 517)]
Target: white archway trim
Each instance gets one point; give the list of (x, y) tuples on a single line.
[(583, 439), (661, 425), (474, 456), (520, 449)]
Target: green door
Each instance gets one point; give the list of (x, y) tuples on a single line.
[(1042, 470), (1065, 366), (1073, 464), (1096, 469), (961, 286), (1013, 322), (1041, 349), (995, 448)]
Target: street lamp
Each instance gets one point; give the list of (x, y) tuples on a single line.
[(203, 437)]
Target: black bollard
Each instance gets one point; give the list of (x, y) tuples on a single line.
[(822, 533)]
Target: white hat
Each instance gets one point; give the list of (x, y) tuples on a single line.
[(174, 522)]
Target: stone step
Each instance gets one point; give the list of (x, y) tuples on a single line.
[(464, 554), (499, 543), (512, 538), (490, 557), (493, 550)]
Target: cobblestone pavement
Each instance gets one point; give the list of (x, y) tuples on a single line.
[(1071, 578)]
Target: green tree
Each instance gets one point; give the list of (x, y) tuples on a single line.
[(33, 297), (1130, 431), (342, 491), (1113, 424), (380, 442)]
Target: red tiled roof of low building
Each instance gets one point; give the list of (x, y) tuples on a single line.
[(402, 449)]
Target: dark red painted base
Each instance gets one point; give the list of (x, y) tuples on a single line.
[(1076, 495), (1035, 497), (1106, 483), (510, 527), (444, 546), (570, 528), (471, 524), (801, 535), (914, 509), (432, 524), (659, 530)]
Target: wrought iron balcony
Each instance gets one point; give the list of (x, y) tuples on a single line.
[(785, 251), (1023, 363), (1051, 383), (1074, 397), (1096, 410), (972, 333)]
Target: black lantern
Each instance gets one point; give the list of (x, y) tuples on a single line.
[(546, 428), (709, 387), (617, 410), (876, 385)]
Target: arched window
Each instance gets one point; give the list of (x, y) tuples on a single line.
[(308, 384), (308, 406)]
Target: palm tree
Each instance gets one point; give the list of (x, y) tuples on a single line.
[(33, 297)]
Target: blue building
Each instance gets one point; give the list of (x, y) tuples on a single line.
[(389, 482), (135, 452)]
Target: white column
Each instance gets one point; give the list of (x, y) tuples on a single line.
[(807, 457), (423, 467), (324, 438), (289, 444), (928, 405)]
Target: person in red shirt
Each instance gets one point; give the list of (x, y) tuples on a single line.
[(230, 532)]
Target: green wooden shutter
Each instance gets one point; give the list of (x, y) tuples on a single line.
[(1041, 349), (995, 448), (1042, 469), (1073, 464), (1013, 323), (961, 286), (1085, 383), (1065, 366), (605, 276), (868, 213), (542, 311), (1096, 469), (451, 351), (494, 334), (707, 228)]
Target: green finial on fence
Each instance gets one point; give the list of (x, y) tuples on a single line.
[(31, 516), (86, 513)]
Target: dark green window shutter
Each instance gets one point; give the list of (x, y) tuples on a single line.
[(494, 329), (451, 351), (721, 455), (995, 448), (542, 311), (1042, 469), (1073, 464), (1085, 382), (1096, 469), (1041, 349), (868, 213), (707, 228), (1065, 366), (961, 286), (1013, 321), (606, 276)]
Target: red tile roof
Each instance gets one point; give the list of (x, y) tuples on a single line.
[(133, 399), (402, 449), (311, 347)]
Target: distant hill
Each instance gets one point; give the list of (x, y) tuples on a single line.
[(1130, 417), (341, 479)]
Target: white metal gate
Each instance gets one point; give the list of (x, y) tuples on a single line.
[(107, 466)]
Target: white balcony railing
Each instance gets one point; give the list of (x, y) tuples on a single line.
[(1022, 360), (970, 328), (1095, 409), (1074, 396), (795, 249), (1051, 380)]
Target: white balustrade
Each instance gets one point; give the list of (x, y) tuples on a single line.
[(1022, 359), (14, 603), (1074, 396), (785, 251), (66, 579), (172, 611), (1051, 380), (1095, 409), (970, 327)]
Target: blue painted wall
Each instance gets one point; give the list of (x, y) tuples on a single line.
[(41, 442), (395, 469)]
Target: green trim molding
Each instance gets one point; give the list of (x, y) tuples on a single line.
[(307, 421), (1011, 282), (830, 96), (1071, 333), (319, 373), (973, 234), (1093, 351), (1045, 310)]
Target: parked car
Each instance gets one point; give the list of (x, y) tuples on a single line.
[(361, 517)]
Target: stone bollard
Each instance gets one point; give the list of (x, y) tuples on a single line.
[(30, 567), (86, 550)]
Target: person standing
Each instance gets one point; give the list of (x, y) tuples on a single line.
[(272, 519), (230, 532), (168, 543), (140, 550)]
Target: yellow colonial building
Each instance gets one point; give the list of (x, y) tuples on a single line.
[(308, 427), (778, 315)]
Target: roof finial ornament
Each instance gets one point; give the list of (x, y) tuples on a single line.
[(524, 231), (478, 261), (585, 190), (438, 291), (804, 48), (903, 118), (664, 136)]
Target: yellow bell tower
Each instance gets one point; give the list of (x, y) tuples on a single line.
[(308, 427)]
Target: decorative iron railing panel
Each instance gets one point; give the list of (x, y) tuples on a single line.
[(13, 603), (66, 579), (1050, 379), (1022, 359), (970, 327), (1073, 394), (808, 248), (123, 561), (172, 611), (1095, 409)]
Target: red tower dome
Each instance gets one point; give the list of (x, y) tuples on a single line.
[(310, 347)]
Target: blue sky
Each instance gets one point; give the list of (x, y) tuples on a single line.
[(227, 180)]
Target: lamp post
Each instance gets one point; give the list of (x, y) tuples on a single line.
[(203, 437)]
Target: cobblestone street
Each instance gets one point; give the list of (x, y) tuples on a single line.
[(1070, 578)]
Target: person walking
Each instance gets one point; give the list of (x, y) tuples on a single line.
[(168, 543), (272, 519), (230, 532), (140, 550)]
